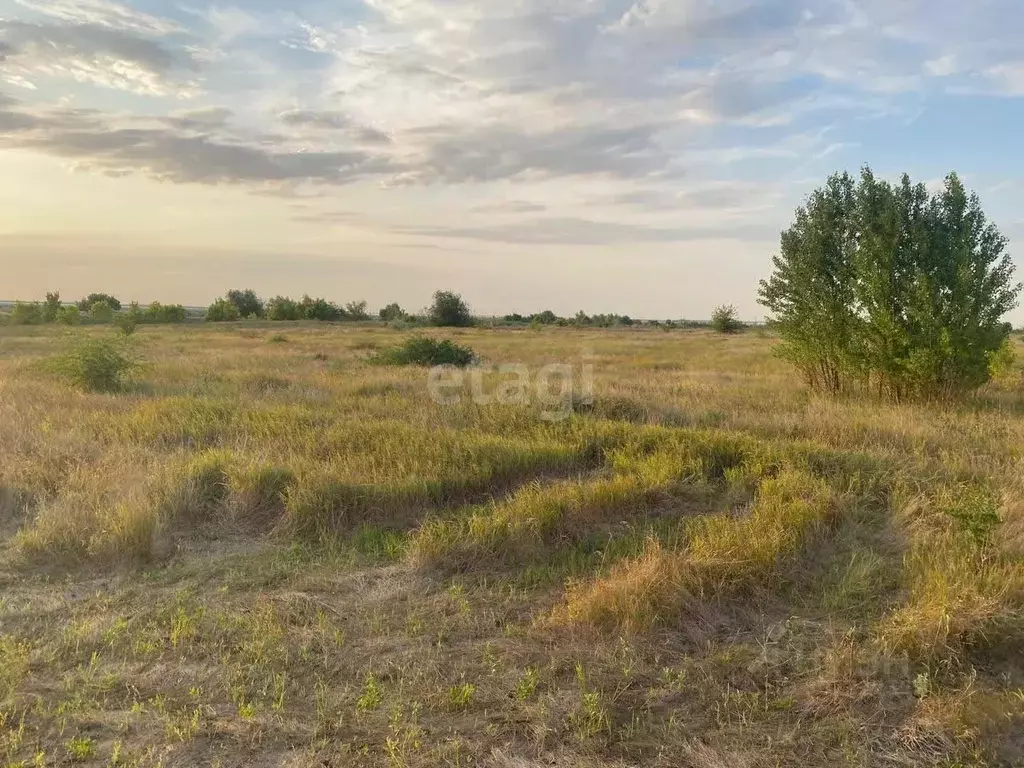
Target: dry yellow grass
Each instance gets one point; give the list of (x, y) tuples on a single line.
[(274, 552)]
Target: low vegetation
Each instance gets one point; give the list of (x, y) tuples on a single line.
[(264, 548), (725, 319), (425, 351), (95, 364)]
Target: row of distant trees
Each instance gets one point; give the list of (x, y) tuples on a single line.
[(96, 308), (448, 309)]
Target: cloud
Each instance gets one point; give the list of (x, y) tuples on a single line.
[(169, 153), (102, 13), (334, 121), (510, 206), (455, 155), (98, 54), (207, 118), (582, 231)]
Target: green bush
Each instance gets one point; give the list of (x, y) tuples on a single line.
[(101, 313), (724, 319), (127, 323), (422, 350), (281, 308), (392, 313), (450, 311), (164, 313), (26, 314), (68, 316), (321, 309), (87, 303), (96, 364), (223, 311)]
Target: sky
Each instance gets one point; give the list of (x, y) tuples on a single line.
[(630, 156)]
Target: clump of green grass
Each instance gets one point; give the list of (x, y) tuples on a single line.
[(960, 597), (80, 749), (425, 351), (459, 696), (97, 364)]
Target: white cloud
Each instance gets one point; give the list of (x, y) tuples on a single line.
[(102, 13), (100, 55)]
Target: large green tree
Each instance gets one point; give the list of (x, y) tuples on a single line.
[(811, 292), (885, 285)]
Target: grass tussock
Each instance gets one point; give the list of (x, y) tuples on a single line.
[(722, 556), (959, 597)]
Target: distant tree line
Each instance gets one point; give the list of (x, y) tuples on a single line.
[(94, 309), (447, 309)]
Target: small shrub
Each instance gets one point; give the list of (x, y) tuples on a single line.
[(527, 684), (422, 350), (724, 319), (127, 323), (96, 365), (372, 695)]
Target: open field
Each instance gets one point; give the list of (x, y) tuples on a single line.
[(270, 551)]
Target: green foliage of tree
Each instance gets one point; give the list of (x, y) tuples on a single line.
[(356, 310), (392, 313), (247, 302), (725, 319), (450, 311), (582, 319), (101, 313), (321, 309), (164, 313), (51, 307), (22, 313), (281, 308), (86, 304), (223, 311), (886, 286), (69, 315)]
